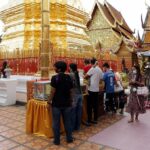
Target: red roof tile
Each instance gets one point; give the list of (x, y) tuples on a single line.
[(125, 32), (107, 14), (118, 17)]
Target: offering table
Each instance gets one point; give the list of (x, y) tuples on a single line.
[(39, 118)]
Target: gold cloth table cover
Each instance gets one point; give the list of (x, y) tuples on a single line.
[(39, 118)]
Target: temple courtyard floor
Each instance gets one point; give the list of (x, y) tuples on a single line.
[(111, 133)]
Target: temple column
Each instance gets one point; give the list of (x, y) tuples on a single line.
[(45, 40)]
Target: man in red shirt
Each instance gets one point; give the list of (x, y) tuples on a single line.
[(87, 66)]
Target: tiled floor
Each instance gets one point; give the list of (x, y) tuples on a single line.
[(13, 136), (121, 134)]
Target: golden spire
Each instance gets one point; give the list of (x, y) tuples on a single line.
[(45, 44)]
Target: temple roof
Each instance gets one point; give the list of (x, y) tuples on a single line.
[(147, 37), (118, 17), (114, 12), (107, 14), (117, 32), (114, 18), (146, 34), (129, 44), (125, 32), (146, 23)]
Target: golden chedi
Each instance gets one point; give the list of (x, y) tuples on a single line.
[(21, 40)]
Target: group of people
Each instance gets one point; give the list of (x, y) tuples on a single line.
[(66, 100), (66, 95)]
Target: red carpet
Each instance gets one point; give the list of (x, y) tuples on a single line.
[(125, 136)]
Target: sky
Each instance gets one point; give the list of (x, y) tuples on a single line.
[(130, 9)]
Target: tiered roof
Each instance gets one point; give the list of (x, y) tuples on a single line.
[(115, 20), (146, 35), (118, 18)]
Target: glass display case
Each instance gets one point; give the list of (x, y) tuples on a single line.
[(42, 90)]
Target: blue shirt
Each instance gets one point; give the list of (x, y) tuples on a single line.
[(109, 79)]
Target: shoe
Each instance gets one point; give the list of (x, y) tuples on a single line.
[(130, 121), (136, 119), (114, 111), (56, 143), (87, 124), (94, 122), (76, 129), (70, 141), (121, 112), (107, 110)]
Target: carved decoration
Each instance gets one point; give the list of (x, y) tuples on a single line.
[(98, 46), (117, 46)]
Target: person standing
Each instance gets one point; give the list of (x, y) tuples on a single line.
[(77, 97), (109, 79), (95, 74), (61, 100), (119, 93), (4, 66), (87, 66), (136, 102)]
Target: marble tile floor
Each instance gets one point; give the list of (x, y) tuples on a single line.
[(13, 136)]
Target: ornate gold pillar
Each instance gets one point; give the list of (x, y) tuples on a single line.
[(45, 42)]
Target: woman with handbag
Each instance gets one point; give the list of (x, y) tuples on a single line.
[(136, 102)]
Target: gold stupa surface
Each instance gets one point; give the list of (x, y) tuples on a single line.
[(22, 36)]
